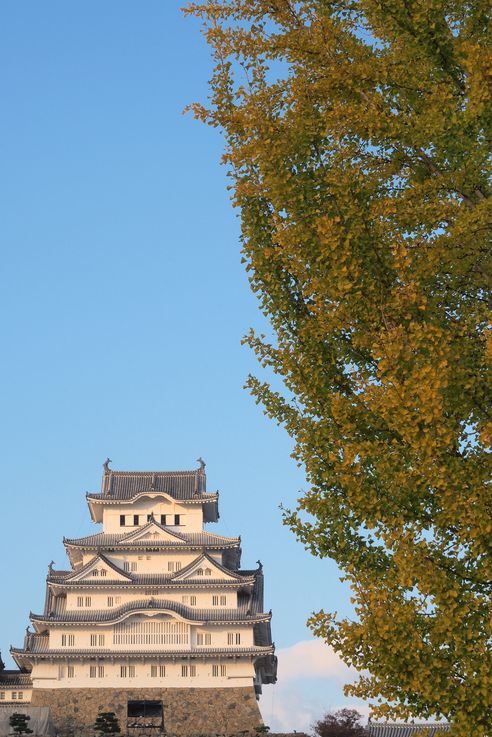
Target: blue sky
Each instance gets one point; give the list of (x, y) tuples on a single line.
[(122, 305)]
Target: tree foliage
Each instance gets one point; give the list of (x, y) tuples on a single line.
[(341, 723), (20, 723), (357, 141), (107, 723)]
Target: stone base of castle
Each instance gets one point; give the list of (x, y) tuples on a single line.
[(187, 711)]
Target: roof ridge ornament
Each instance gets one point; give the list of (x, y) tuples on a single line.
[(106, 467), (202, 464)]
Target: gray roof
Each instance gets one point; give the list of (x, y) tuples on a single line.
[(154, 579), (213, 615), (405, 730), (178, 484), (14, 679), (66, 654), (183, 539)]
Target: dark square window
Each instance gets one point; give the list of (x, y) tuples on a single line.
[(135, 519), (122, 520), (176, 519), (163, 519)]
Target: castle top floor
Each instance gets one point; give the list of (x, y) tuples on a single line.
[(174, 498)]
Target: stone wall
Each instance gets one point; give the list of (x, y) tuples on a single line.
[(187, 711)]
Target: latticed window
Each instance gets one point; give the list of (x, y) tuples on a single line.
[(199, 572), (95, 572), (21, 695), (192, 671), (93, 640), (208, 572), (223, 600), (139, 632), (100, 671), (2, 695), (204, 638), (192, 600), (185, 599), (184, 671), (88, 601), (103, 572), (233, 638), (93, 671), (70, 671), (215, 601), (110, 601)]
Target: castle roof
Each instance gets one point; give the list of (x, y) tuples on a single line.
[(243, 613), (74, 578), (178, 484), (14, 679), (136, 539)]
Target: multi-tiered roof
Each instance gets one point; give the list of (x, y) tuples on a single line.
[(152, 561)]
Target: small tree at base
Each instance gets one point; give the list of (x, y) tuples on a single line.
[(107, 723), (342, 723), (18, 722)]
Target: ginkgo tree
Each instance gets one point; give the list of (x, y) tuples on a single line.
[(357, 139)]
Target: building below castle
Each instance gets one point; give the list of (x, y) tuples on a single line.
[(155, 619)]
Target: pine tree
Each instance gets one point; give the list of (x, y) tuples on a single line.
[(19, 723), (107, 723)]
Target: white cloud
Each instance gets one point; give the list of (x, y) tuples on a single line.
[(311, 659), (310, 683)]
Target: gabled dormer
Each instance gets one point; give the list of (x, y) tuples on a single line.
[(99, 569), (152, 532)]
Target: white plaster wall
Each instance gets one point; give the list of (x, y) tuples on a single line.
[(55, 675), (191, 515), (22, 695), (82, 638), (99, 599)]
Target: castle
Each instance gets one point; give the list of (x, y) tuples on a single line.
[(155, 619)]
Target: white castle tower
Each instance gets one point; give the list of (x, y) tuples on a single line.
[(155, 618)]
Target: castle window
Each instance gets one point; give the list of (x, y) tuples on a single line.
[(233, 638), (117, 599), (223, 600), (184, 671), (192, 671), (192, 600), (110, 601), (21, 695), (170, 565), (163, 519), (215, 670), (135, 520), (93, 640), (162, 671), (100, 671), (133, 566), (95, 572), (101, 640), (126, 565), (204, 638), (208, 572), (199, 572), (131, 671), (122, 520), (223, 670), (103, 572), (185, 599), (177, 519), (14, 695), (61, 672), (2, 695), (88, 601), (178, 565), (123, 671), (92, 671), (215, 601), (80, 601), (70, 671), (67, 640), (158, 670)]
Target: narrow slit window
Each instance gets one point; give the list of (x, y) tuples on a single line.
[(122, 520)]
